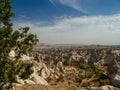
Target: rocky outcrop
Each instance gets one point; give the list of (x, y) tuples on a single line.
[(45, 72), (115, 80), (38, 80), (41, 72), (28, 81), (50, 64), (24, 57), (76, 55), (114, 73), (106, 87), (35, 79)]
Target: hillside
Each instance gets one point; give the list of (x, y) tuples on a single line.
[(65, 68)]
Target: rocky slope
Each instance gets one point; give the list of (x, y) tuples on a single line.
[(91, 68)]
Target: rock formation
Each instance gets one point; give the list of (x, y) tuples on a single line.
[(62, 65)]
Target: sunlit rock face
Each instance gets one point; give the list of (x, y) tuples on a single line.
[(24, 57), (12, 54), (38, 80), (114, 72), (105, 87)]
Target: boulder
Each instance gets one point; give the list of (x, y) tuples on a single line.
[(108, 87), (27, 81), (12, 54), (45, 72), (38, 80), (60, 66), (26, 58), (114, 73), (20, 81), (105, 87), (108, 58), (115, 80), (99, 63), (37, 66)]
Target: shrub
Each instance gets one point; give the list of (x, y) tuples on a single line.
[(66, 62), (27, 71), (105, 82), (83, 66), (80, 77), (86, 84)]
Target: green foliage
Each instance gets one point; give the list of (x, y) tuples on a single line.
[(97, 71), (80, 77), (79, 80), (83, 66), (27, 71), (91, 72), (66, 62), (86, 84), (20, 41), (105, 82)]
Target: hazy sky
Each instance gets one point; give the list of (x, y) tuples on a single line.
[(70, 21)]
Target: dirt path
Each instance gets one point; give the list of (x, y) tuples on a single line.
[(41, 87)]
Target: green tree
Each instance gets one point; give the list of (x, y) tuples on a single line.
[(21, 41)]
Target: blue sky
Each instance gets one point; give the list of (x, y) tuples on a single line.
[(81, 22)]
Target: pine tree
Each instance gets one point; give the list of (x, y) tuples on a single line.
[(20, 40)]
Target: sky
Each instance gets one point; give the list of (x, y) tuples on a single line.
[(83, 22)]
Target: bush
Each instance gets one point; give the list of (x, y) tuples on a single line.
[(83, 66), (79, 78), (105, 82), (27, 71), (66, 62), (90, 74), (86, 84)]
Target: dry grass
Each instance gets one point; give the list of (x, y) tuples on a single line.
[(41, 87)]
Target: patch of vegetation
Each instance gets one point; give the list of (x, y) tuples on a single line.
[(66, 62), (80, 77), (83, 66), (86, 84), (105, 82), (92, 72), (27, 70)]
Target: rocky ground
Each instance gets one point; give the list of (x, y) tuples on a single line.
[(73, 68)]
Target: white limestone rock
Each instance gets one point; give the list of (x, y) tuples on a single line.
[(38, 80), (105, 87), (27, 81), (12, 54), (115, 80), (26, 58), (45, 72)]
